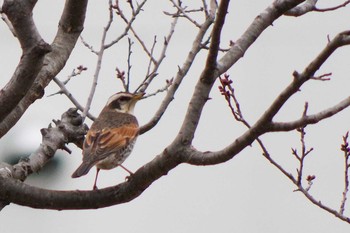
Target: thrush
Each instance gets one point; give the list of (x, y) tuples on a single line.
[(111, 137)]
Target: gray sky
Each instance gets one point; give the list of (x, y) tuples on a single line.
[(246, 194)]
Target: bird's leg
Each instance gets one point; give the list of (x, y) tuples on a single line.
[(131, 173), (97, 171), (128, 177)]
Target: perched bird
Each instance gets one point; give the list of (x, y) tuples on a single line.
[(112, 136)]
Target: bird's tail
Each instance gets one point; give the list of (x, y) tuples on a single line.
[(82, 170)]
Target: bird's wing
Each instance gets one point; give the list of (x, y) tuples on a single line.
[(99, 144)]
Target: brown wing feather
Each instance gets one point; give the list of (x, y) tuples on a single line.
[(98, 145)]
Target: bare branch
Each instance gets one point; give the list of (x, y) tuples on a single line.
[(322, 77), (310, 119), (196, 47), (333, 8), (70, 26), (33, 51), (128, 77), (8, 22), (265, 124), (87, 45), (345, 148), (307, 6), (23, 78), (341, 39), (24, 194), (147, 81), (183, 13), (151, 58), (121, 77), (236, 111), (260, 23), (65, 91), (69, 129), (165, 88), (322, 206), (303, 155), (99, 62), (129, 23)]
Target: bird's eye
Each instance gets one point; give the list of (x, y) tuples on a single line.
[(124, 98)]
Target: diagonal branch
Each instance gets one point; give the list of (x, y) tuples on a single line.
[(310, 119), (99, 61), (260, 23), (264, 123), (70, 26), (69, 129), (196, 47), (34, 49), (204, 84)]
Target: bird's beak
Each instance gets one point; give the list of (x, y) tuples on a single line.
[(138, 96), (133, 101)]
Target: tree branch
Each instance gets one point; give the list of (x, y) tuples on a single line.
[(204, 84), (310, 119), (70, 26), (260, 23), (34, 49), (307, 6), (264, 123), (99, 61), (69, 95), (23, 194), (196, 47), (69, 129)]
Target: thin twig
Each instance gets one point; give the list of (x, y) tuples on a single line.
[(183, 13), (196, 48), (75, 72), (346, 149), (65, 91), (129, 64), (151, 59), (165, 88), (227, 90), (87, 45), (121, 77), (332, 8), (146, 82), (305, 152), (301, 158), (99, 62), (129, 22), (205, 8), (322, 77)]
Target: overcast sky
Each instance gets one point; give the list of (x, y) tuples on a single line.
[(245, 194)]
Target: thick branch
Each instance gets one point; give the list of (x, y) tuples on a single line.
[(341, 39), (264, 124), (307, 6), (70, 26), (205, 83), (34, 50), (20, 15), (260, 23), (69, 129), (20, 193), (23, 78)]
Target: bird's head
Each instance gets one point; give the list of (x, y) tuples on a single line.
[(123, 102)]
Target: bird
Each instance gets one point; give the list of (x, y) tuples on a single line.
[(112, 135)]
